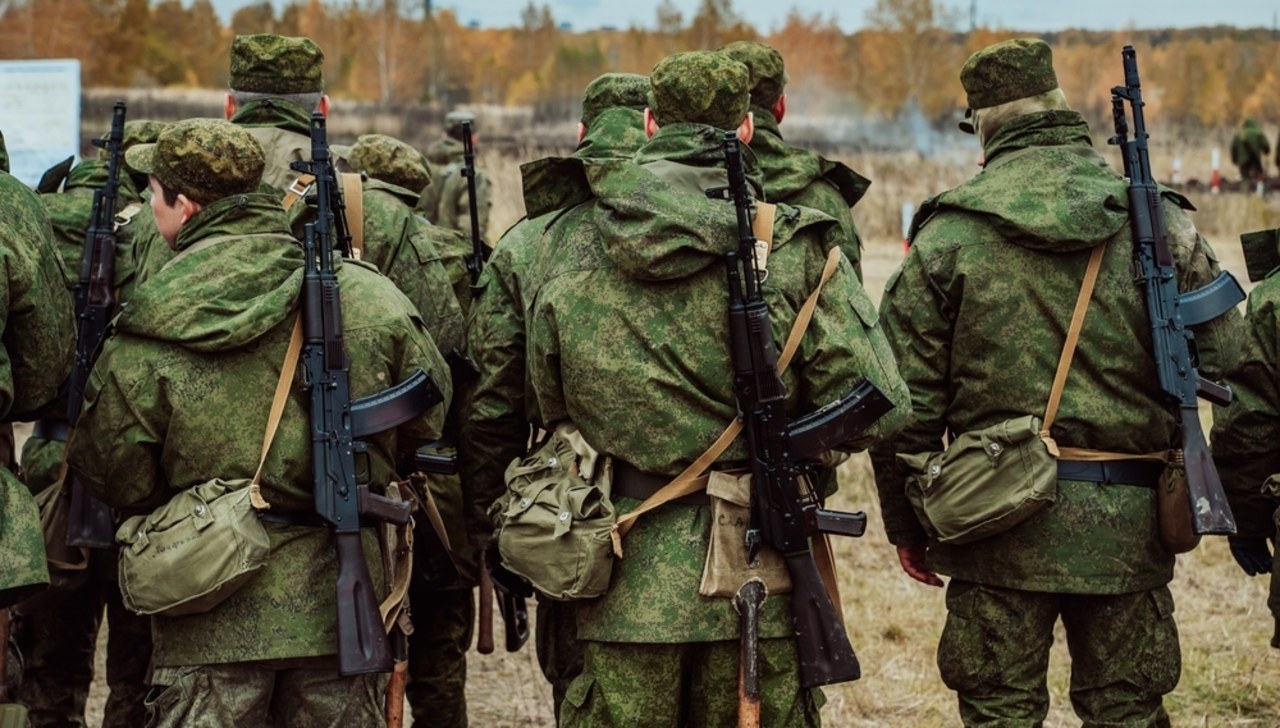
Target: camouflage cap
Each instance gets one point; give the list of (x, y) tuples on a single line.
[(275, 64), (139, 131), (768, 74), (454, 119), (204, 159), (612, 91), (388, 159), (1008, 70), (700, 87)]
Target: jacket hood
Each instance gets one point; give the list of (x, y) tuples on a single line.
[(787, 171), (92, 174), (274, 112), (1044, 186), (653, 214), (233, 280), (555, 183), (444, 151)]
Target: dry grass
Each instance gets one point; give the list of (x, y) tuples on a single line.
[(1231, 677)]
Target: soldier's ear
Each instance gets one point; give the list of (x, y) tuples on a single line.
[(189, 207), (323, 106), (650, 123), (229, 107), (582, 131), (747, 128), (779, 108)]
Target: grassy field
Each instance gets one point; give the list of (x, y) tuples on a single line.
[(1231, 677)]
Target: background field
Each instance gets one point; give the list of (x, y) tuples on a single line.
[(1231, 677)]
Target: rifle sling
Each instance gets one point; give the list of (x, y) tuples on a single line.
[(694, 478), (353, 198), (281, 396)]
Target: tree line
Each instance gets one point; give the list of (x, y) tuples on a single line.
[(905, 61)]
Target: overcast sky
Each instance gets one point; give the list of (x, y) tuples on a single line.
[(1032, 15)]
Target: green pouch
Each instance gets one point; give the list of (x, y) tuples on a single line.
[(986, 482), (1261, 253), (553, 524), (193, 552)]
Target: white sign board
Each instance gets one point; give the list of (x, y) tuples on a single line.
[(39, 114)]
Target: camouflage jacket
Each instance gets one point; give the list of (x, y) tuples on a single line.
[(977, 315), (284, 130), (445, 201), (181, 394), (801, 178), (1249, 149), (498, 406), (71, 210), (627, 338)]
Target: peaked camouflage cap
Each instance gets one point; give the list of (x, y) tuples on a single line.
[(768, 74), (204, 159), (139, 131), (612, 91), (276, 64), (1007, 71), (700, 87), (387, 159)]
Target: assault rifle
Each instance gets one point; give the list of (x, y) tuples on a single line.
[(783, 514), (1170, 313), (337, 422), (89, 522), (475, 261)]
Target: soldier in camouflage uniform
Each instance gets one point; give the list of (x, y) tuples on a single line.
[(977, 315), (37, 332), (443, 618), (792, 175), (495, 427), (446, 202), (59, 639), (627, 339), (180, 395), (1246, 434), (276, 83), (1249, 150)]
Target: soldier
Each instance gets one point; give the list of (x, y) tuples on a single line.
[(1249, 150), (793, 175), (978, 315), (179, 395), (495, 426), (446, 202), (37, 332), (1245, 447), (276, 83), (628, 341), (443, 618), (59, 639)]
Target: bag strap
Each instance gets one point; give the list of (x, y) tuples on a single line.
[(1069, 347), (277, 411), (297, 190), (353, 198), (693, 478), (762, 229)]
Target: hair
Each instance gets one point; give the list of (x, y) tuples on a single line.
[(989, 120), (167, 193), (309, 101)]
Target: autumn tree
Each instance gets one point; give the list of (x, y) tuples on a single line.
[(908, 56)]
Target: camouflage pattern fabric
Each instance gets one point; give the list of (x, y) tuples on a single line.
[(444, 626), (70, 213), (702, 87), (498, 406), (204, 159), (136, 131), (388, 159), (635, 686), (1245, 447), (4, 155), (977, 315), (220, 314), (276, 64), (601, 339), (264, 694), (1249, 150), (1008, 70), (966, 351), (36, 321), (445, 202), (283, 128), (768, 72), (622, 91), (994, 653)]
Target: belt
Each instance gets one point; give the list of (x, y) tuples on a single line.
[(1145, 473), (310, 519), (629, 482), (52, 428)]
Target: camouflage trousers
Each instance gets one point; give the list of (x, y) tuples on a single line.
[(265, 695), (633, 685), (58, 643), (443, 626), (559, 653), (994, 653)]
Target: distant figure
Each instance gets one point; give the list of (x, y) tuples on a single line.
[(1249, 150), (445, 202)]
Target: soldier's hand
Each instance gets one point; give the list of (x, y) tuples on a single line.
[(912, 560), (1251, 553)]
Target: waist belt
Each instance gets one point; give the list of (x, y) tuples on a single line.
[(293, 518), (629, 482), (1145, 473), (52, 428)]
